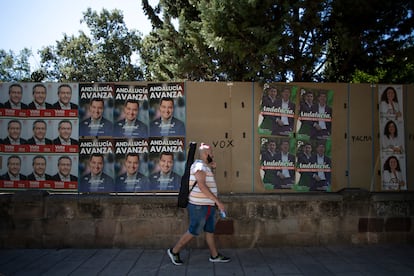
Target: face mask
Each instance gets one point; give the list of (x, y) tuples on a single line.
[(209, 159)]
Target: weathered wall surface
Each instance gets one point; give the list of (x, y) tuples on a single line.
[(38, 220)]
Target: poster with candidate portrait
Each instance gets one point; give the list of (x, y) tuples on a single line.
[(167, 109), (131, 111), (96, 108), (277, 110), (392, 138), (304, 117), (14, 169), (31, 127), (277, 160), (16, 132), (65, 172), (39, 170), (315, 114), (96, 165), (166, 163), (11, 99), (131, 165), (313, 165)]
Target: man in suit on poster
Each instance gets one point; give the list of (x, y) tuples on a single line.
[(166, 178), (96, 124), (305, 157), (285, 177), (65, 131), (306, 106), (322, 128), (39, 134), (15, 97), (167, 124), (39, 98), (39, 169), (132, 180), (96, 180), (130, 126), (14, 164), (64, 168), (65, 95), (283, 124), (14, 129), (269, 155), (321, 179)]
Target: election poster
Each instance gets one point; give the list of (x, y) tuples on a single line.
[(14, 170), (167, 109), (315, 114), (65, 172), (16, 131), (166, 163), (277, 159), (131, 111), (39, 125), (96, 165), (131, 165), (295, 146), (277, 110), (392, 134), (11, 97), (313, 165), (96, 108), (39, 99)]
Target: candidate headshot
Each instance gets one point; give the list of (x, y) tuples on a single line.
[(285, 176), (283, 124), (393, 177), (322, 128), (39, 98), (165, 178), (39, 134), (306, 106), (132, 180), (321, 179), (39, 169), (65, 132), (15, 97), (96, 180), (130, 126), (167, 124), (64, 168), (14, 129), (14, 164), (96, 124), (65, 95)]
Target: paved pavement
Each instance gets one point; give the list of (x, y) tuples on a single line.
[(325, 260)]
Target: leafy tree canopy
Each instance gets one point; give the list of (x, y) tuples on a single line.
[(104, 55), (235, 40), (15, 67), (279, 40)]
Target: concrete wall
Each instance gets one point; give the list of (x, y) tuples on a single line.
[(35, 219)]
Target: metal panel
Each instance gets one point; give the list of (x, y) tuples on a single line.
[(242, 130), (209, 121)]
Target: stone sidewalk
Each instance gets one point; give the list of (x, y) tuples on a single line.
[(323, 260)]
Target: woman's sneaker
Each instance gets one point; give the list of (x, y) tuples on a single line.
[(219, 259), (175, 258)]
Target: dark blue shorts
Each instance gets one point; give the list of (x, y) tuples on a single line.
[(202, 217)]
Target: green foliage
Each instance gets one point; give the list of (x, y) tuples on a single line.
[(242, 40), (105, 55), (279, 40), (15, 67), (371, 40), (235, 40)]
